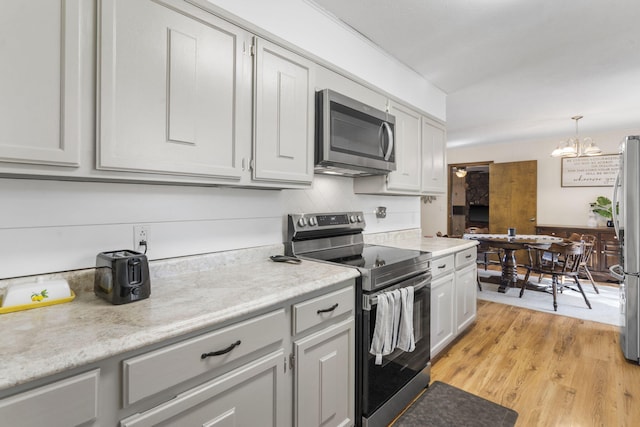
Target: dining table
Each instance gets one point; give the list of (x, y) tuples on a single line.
[(509, 245)]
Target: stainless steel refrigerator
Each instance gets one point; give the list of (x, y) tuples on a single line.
[(626, 219)]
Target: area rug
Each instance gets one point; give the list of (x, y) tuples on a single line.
[(605, 305), (443, 405)]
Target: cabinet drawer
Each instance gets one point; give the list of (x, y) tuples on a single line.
[(466, 257), (246, 396), (183, 361), (317, 310), (69, 402), (442, 265)]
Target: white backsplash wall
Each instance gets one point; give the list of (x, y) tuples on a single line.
[(51, 226), (335, 194)]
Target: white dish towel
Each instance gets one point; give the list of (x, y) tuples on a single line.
[(406, 338), (394, 323)]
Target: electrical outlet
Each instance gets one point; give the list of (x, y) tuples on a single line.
[(141, 234)]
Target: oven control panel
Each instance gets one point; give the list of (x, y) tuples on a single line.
[(319, 222)]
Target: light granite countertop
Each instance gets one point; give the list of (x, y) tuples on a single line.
[(187, 295)]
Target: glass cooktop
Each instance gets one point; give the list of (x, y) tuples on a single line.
[(373, 256)]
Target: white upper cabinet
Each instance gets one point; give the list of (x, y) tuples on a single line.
[(172, 90), (434, 158), (40, 82), (184, 93), (407, 175), (284, 115), (420, 157)]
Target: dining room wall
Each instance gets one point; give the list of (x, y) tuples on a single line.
[(556, 205)]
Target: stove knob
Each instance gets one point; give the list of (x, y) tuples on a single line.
[(359, 218), (302, 221), (313, 221), (352, 218)]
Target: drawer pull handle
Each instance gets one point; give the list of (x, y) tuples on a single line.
[(221, 352), (442, 266), (327, 310), (468, 256)]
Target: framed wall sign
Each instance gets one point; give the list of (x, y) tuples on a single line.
[(595, 171)]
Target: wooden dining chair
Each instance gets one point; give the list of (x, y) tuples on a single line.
[(589, 243), (559, 260)]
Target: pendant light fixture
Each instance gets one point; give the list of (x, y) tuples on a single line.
[(461, 172), (574, 147)]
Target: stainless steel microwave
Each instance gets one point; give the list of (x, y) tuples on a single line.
[(352, 138)]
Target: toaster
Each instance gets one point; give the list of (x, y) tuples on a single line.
[(122, 276)]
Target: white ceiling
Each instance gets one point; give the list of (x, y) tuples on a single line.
[(514, 70)]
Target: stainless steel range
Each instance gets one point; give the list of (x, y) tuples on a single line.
[(382, 391)]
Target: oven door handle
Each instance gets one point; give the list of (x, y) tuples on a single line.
[(369, 301)]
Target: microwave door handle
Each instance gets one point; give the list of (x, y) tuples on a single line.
[(614, 206), (387, 129)]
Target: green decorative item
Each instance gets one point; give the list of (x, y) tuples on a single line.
[(603, 207)]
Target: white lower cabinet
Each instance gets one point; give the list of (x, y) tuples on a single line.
[(205, 353), (443, 327), (324, 379), (453, 297), (68, 402), (247, 396), (251, 394), (466, 288), (293, 365), (466, 296), (324, 373)]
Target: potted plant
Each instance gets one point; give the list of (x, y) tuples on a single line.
[(603, 207)]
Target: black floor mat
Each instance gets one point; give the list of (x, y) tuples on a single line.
[(443, 405)]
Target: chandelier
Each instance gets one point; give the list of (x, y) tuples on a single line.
[(574, 147)]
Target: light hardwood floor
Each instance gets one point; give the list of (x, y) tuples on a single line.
[(553, 370)]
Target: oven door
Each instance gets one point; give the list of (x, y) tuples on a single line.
[(380, 383)]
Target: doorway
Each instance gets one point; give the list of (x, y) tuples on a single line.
[(494, 196), (468, 197)]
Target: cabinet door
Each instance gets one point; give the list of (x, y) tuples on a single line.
[(407, 147), (434, 159), (443, 327), (284, 115), (466, 297), (40, 82), (69, 402), (174, 90), (247, 396), (324, 377)]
